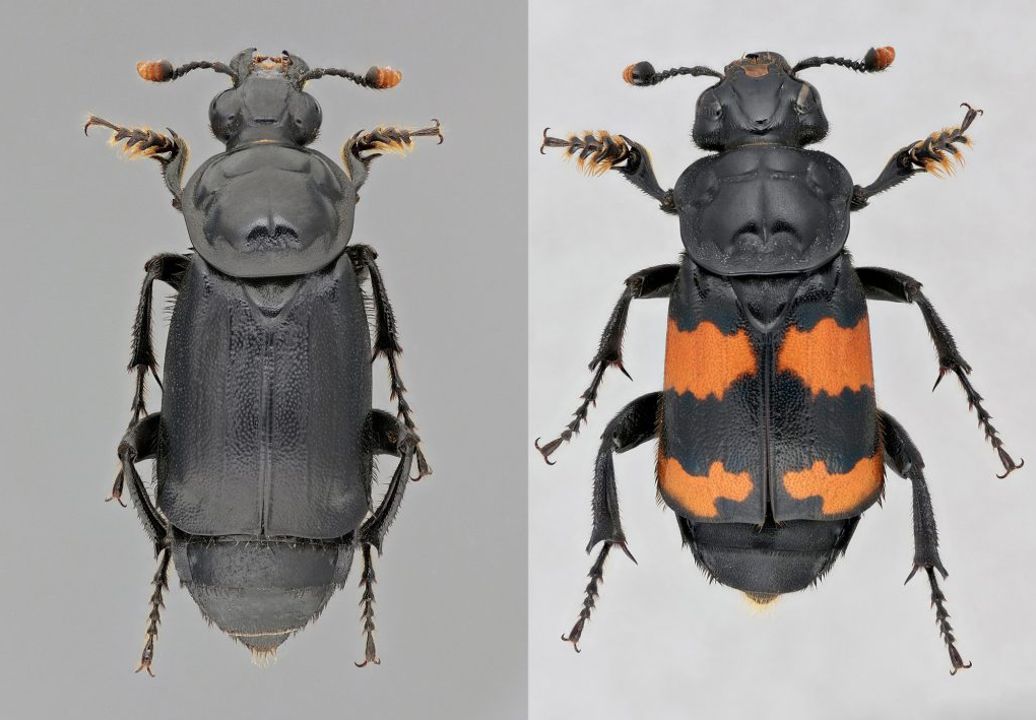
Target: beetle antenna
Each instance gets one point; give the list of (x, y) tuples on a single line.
[(876, 60), (377, 78), (643, 74), (163, 70)]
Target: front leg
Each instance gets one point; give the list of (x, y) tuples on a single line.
[(596, 153), (170, 152), (892, 286), (934, 154), (365, 146), (652, 282)]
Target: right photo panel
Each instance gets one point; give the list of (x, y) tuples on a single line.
[(758, 236)]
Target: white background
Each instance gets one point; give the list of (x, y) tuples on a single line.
[(663, 643)]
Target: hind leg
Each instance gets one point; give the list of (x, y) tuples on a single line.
[(633, 426), (905, 460), (389, 437), (141, 443)]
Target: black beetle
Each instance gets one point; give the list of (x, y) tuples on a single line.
[(771, 445), (265, 442)]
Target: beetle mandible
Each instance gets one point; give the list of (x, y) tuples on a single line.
[(771, 445), (265, 441)]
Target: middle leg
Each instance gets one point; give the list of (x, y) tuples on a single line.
[(386, 342), (889, 285), (170, 269), (652, 282)]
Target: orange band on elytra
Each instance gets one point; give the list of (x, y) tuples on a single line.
[(706, 362), (840, 492), (829, 358), (697, 494)]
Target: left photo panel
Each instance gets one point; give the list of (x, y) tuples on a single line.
[(314, 270)]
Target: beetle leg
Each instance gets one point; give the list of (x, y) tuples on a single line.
[(598, 152), (170, 151), (905, 460), (366, 146), (889, 285), (632, 427), (653, 282), (160, 583), (595, 152), (376, 526), (386, 342), (372, 533), (367, 580), (934, 154), (596, 575), (168, 268), (139, 443)]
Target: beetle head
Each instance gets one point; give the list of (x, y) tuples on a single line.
[(759, 99), (267, 101)]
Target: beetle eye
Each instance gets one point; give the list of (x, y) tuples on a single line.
[(804, 101), (712, 111)]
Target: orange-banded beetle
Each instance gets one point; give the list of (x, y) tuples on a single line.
[(770, 441)]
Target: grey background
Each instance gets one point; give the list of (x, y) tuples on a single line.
[(449, 223), (663, 643)]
